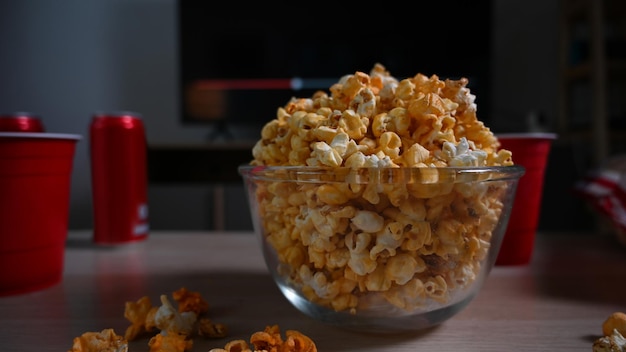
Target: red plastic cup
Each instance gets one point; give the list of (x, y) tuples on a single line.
[(35, 177), (20, 122), (531, 151)]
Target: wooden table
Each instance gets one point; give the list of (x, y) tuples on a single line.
[(557, 303)]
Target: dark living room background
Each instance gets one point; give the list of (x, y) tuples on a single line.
[(66, 59)]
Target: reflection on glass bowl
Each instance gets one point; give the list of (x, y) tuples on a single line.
[(380, 249)]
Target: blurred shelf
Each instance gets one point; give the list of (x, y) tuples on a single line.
[(584, 70), (576, 10), (586, 135), (592, 58)]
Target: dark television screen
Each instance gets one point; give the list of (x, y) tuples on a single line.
[(240, 62)]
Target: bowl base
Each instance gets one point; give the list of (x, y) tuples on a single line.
[(376, 324)]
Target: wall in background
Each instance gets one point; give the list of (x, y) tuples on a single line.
[(525, 62), (66, 59)]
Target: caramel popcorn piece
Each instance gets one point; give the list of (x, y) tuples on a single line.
[(270, 340), (171, 342), (613, 342), (104, 341), (206, 328), (171, 320), (137, 313), (616, 321), (614, 330), (190, 301), (233, 346), (295, 341)]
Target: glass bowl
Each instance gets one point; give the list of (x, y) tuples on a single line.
[(383, 250)]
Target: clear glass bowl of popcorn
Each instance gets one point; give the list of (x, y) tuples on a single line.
[(381, 250)]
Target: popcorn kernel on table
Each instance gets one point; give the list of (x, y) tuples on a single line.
[(616, 321), (613, 342), (177, 326), (190, 301), (207, 328), (104, 341), (270, 339), (172, 342), (613, 329), (137, 313)]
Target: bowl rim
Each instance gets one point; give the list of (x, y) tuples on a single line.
[(527, 135), (383, 175)]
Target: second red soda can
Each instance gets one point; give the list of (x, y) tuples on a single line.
[(119, 177), (20, 122)]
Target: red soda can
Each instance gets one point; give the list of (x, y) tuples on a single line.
[(119, 177), (20, 122)]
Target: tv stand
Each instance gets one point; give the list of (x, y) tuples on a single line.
[(220, 132), (211, 162)]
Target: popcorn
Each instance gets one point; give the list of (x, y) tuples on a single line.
[(348, 245), (190, 301), (104, 341), (616, 321), (171, 342), (177, 325), (137, 313), (381, 112), (167, 318), (171, 339), (270, 340), (614, 342), (614, 330)]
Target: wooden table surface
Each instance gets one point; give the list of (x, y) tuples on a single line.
[(556, 303)]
